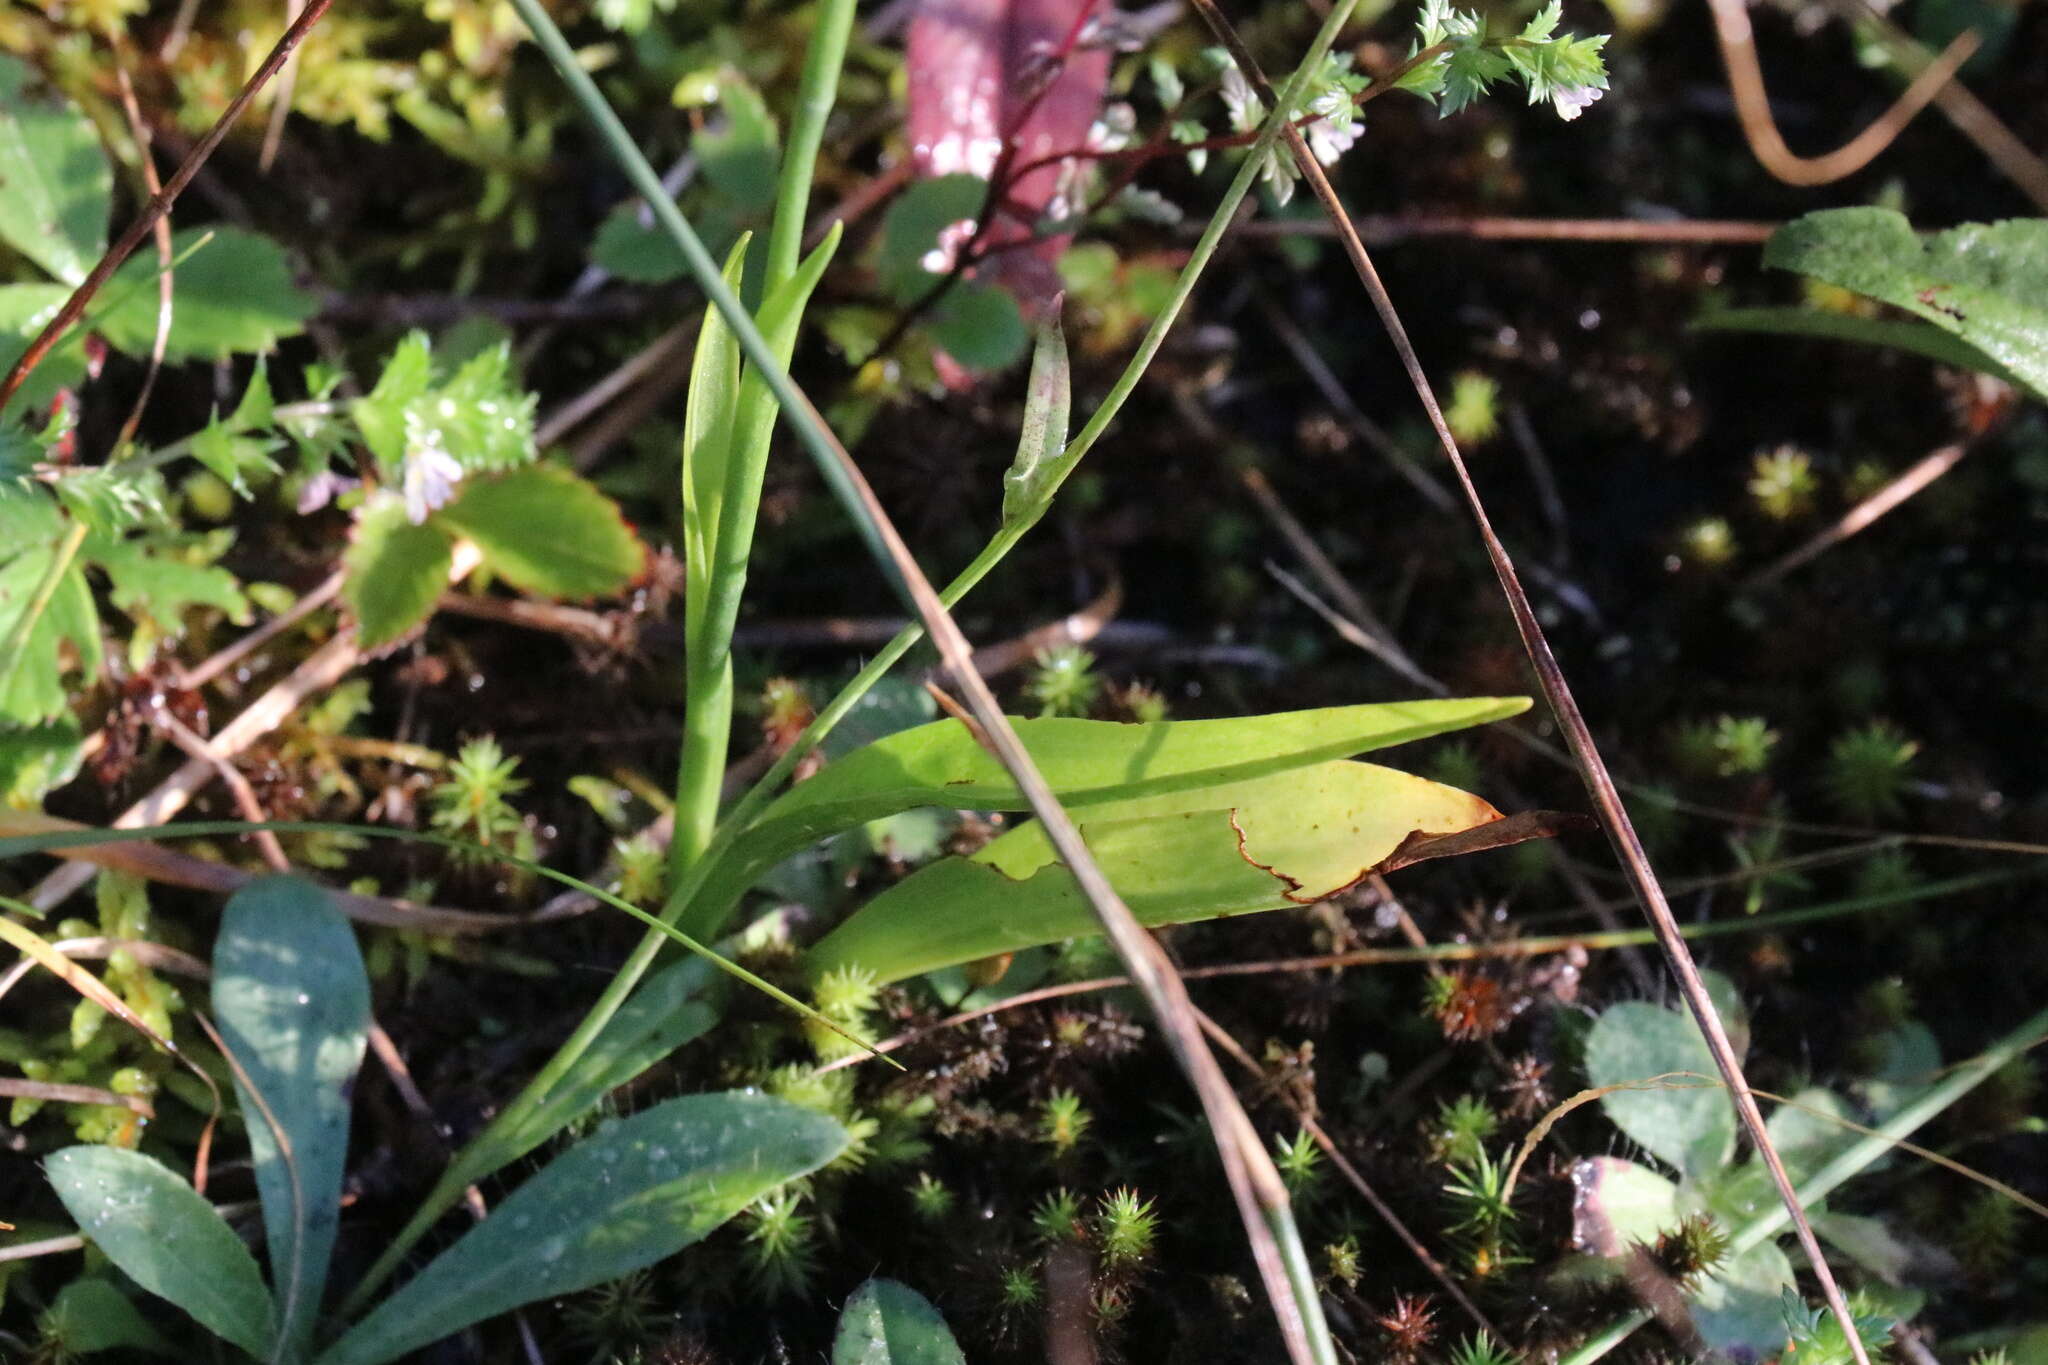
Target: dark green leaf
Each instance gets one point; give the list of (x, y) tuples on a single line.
[(1287, 838), (886, 1323), (635, 1192), (395, 572), (167, 1239), (55, 187), (36, 760), (979, 326), (293, 1004), (1919, 338), (235, 294), (547, 531), (90, 1315), (739, 153), (1985, 282), (910, 230)]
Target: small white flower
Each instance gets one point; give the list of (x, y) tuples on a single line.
[(1332, 135), (429, 480), (1571, 100)]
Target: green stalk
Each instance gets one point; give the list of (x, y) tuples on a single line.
[(708, 698), (1958, 1083)]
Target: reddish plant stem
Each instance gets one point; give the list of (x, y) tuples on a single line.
[(159, 204)]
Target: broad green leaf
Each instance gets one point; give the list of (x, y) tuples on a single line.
[(36, 760), (740, 153), (1985, 282), (1086, 761), (166, 1238), (1918, 338), (293, 1004), (547, 531), (90, 1315), (979, 326), (1804, 1137), (672, 1007), (396, 570), (708, 414), (55, 186), (1685, 1121), (1737, 1310), (1288, 838), (1618, 1203), (1048, 401), (234, 294), (635, 1192), (24, 311), (886, 1323)]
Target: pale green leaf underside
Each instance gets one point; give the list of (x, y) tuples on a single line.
[(293, 1004)]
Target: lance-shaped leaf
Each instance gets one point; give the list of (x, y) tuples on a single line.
[(1289, 838), (1985, 282), (293, 1003), (886, 1323), (166, 1238), (1087, 763), (636, 1192)]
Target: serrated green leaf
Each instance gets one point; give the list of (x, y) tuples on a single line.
[(293, 1005), (1087, 762), (547, 531), (232, 458), (1288, 838), (166, 1238), (152, 583), (380, 413), (56, 189), (395, 572), (886, 1323), (635, 1192), (234, 295), (1984, 282)]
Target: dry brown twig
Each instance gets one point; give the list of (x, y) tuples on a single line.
[(1557, 691)]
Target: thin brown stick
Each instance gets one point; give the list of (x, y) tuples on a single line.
[(153, 185), (221, 661), (1886, 499), (323, 668), (1557, 691), (159, 204), (57, 1092), (1753, 104), (238, 786), (148, 953), (1388, 229), (281, 99)]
